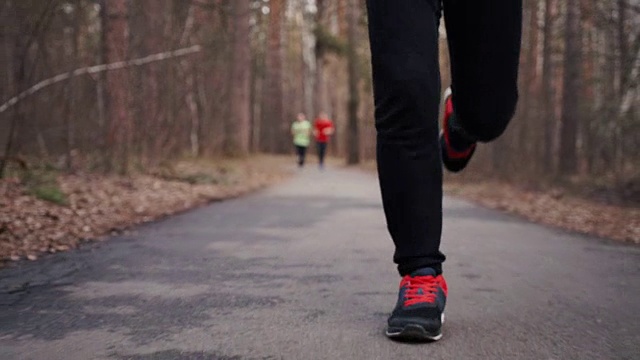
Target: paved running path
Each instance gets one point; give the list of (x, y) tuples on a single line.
[(303, 271)]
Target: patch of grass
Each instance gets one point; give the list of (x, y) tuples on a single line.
[(190, 177), (199, 171), (51, 193), (199, 179), (43, 184)]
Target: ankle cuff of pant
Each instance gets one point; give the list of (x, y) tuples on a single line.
[(408, 269)]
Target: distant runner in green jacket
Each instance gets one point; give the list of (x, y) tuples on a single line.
[(301, 132)]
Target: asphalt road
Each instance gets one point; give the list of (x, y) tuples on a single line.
[(303, 271)]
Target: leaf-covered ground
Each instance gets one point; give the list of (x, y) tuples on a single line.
[(588, 212), (85, 207), (555, 208), (61, 215)]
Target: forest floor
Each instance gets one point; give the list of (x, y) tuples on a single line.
[(46, 212), (554, 207), (567, 207)]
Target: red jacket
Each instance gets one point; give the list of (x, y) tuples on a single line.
[(323, 129)]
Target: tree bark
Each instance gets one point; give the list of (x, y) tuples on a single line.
[(568, 162), (622, 43), (527, 135), (208, 80), (343, 17), (70, 88), (547, 87), (588, 94), (274, 111), (320, 103), (119, 129), (237, 123), (308, 55), (353, 136), (154, 31)]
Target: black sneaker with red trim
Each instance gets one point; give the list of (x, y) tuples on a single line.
[(456, 149), (419, 313)]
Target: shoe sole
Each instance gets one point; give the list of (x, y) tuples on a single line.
[(454, 165), (415, 332)]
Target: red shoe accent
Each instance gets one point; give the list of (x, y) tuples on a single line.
[(421, 289), (451, 152)]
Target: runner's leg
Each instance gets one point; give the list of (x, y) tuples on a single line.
[(406, 78), (484, 43)]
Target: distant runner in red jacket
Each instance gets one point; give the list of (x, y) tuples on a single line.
[(322, 130)]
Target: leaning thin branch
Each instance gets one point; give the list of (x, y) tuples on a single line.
[(98, 69)]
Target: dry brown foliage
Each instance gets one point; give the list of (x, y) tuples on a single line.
[(555, 208), (98, 205)]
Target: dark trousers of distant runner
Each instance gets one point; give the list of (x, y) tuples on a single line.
[(322, 151), (484, 42), (301, 151)]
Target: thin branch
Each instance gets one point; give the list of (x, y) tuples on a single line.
[(188, 26), (98, 69)]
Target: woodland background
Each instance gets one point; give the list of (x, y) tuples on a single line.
[(248, 66)]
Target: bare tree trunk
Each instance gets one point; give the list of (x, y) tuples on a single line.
[(308, 55), (547, 87), (115, 28), (624, 64), (153, 42), (205, 24), (192, 104), (343, 14), (622, 43), (16, 72), (70, 89), (256, 113), (588, 93), (188, 72), (194, 110), (274, 111), (568, 163), (610, 90), (237, 124), (353, 136), (320, 103), (527, 109)]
